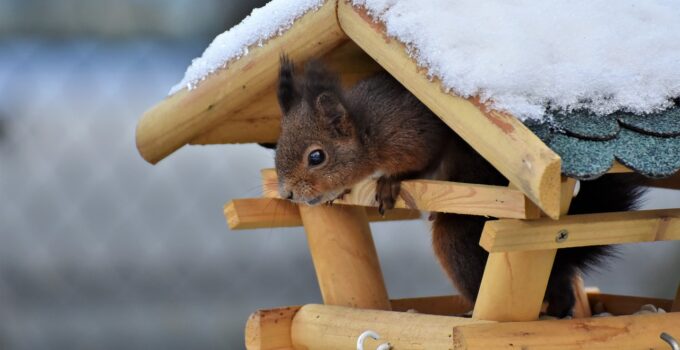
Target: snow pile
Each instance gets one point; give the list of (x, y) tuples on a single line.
[(523, 56), (526, 56), (262, 24)]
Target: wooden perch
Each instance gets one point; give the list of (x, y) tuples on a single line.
[(582, 230), (252, 213), (337, 328), (622, 332), (182, 116), (500, 138), (437, 196)]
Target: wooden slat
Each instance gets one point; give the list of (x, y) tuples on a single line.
[(582, 305), (270, 329), (344, 256), (437, 196), (182, 116), (622, 332), (500, 138), (583, 230), (253, 213), (672, 182), (447, 305), (624, 304), (514, 283), (326, 327), (259, 121), (618, 168)]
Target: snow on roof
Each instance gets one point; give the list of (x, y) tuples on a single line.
[(523, 56), (264, 23)]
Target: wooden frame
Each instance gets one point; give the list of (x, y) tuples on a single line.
[(500, 138), (582, 230), (253, 213), (184, 115), (438, 196)]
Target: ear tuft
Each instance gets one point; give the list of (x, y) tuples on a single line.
[(334, 112), (287, 92)]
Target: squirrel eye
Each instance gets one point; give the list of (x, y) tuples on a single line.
[(316, 157)]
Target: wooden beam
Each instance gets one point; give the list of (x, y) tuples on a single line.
[(259, 121), (622, 332), (500, 138), (270, 329), (438, 196), (582, 230), (671, 183), (337, 328), (619, 168), (344, 256), (182, 116), (447, 305), (624, 304), (514, 283), (253, 213)]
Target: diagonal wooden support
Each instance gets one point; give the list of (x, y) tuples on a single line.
[(437, 196), (514, 283), (344, 256), (500, 138), (253, 213)]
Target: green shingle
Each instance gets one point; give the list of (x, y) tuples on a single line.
[(583, 159), (666, 123), (586, 125), (649, 155)]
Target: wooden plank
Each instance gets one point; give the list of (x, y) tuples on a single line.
[(430, 195), (622, 332), (270, 329), (182, 116), (253, 213), (582, 305), (583, 230), (624, 304), (337, 328), (514, 283), (619, 168), (447, 305), (344, 256), (500, 138), (671, 183), (259, 122)]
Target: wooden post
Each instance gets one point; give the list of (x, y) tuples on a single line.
[(676, 302), (344, 256), (270, 329), (514, 283), (582, 306)]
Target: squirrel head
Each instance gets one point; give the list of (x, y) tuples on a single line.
[(318, 147)]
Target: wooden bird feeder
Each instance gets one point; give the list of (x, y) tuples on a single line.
[(237, 104)]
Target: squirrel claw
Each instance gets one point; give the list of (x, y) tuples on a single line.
[(386, 193)]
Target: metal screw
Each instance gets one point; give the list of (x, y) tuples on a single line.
[(562, 236)]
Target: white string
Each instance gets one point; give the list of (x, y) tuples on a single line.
[(375, 336)]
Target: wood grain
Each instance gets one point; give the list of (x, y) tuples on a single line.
[(254, 213), (437, 196), (583, 230), (270, 329)]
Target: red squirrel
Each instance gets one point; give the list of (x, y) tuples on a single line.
[(332, 138)]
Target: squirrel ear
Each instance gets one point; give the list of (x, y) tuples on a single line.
[(287, 92), (331, 109)]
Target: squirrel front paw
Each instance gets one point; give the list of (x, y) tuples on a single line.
[(386, 193)]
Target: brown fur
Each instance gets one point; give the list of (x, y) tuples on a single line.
[(378, 126)]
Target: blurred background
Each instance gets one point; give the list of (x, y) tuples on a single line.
[(100, 250)]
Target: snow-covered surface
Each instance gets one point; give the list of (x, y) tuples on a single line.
[(263, 23), (523, 56)]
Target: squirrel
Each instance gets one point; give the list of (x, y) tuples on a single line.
[(331, 138)]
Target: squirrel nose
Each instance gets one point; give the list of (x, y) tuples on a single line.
[(289, 195)]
